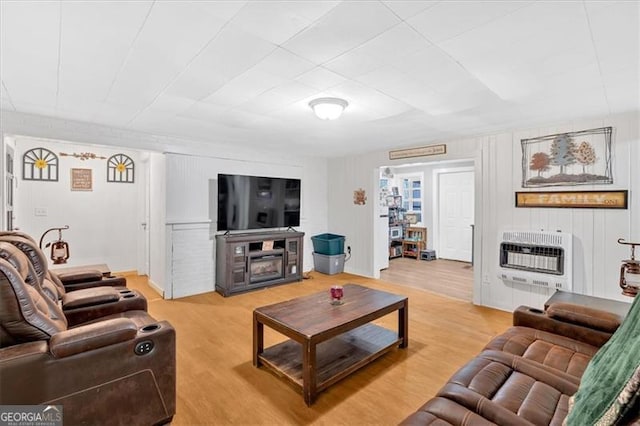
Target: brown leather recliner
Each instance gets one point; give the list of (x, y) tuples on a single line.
[(117, 370), (80, 279), (79, 306)]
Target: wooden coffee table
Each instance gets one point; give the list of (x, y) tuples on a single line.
[(328, 342)]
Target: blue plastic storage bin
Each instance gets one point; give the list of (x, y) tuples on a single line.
[(328, 244)]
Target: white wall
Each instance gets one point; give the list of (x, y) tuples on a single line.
[(497, 159), (201, 161), (356, 222), (103, 222), (597, 256), (192, 207)]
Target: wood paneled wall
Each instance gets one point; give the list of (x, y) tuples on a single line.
[(498, 165)]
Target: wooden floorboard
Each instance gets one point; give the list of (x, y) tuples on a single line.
[(446, 277), (217, 383)]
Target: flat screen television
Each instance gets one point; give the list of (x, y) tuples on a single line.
[(257, 202)]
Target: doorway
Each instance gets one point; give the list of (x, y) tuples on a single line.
[(451, 273)]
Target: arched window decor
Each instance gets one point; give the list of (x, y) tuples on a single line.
[(120, 168), (40, 164)]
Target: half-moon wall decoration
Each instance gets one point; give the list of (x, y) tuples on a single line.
[(120, 168), (40, 164)]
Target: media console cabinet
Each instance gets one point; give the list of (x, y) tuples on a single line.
[(254, 260)]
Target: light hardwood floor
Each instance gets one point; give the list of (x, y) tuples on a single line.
[(448, 277), (217, 383)]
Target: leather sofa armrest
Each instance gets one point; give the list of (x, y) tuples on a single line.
[(89, 297), (15, 352), (92, 336), (79, 277), (129, 300), (585, 316), (525, 316), (102, 282)]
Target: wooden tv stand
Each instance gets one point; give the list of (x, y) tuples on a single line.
[(249, 261)]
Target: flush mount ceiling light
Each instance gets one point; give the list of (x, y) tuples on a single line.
[(328, 108)]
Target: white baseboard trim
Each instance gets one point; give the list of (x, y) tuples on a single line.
[(156, 287)]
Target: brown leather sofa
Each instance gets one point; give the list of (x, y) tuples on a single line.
[(76, 280), (526, 375), (79, 306), (119, 369)]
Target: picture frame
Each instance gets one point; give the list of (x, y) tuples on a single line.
[(412, 218), (81, 180), (567, 159)]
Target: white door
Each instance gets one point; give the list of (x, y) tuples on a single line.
[(455, 208)]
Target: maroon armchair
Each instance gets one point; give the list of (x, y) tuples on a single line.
[(119, 369)]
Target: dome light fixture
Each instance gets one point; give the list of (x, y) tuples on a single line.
[(328, 108)]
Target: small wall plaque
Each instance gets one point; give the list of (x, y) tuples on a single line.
[(574, 199), (81, 180), (359, 197), (418, 152)]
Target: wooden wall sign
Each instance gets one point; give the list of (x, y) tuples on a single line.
[(418, 152), (574, 199), (81, 180)]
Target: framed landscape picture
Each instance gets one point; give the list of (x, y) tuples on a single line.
[(574, 158)]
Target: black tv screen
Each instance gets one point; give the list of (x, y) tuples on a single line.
[(256, 202)]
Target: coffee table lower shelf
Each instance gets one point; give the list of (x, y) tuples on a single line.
[(336, 358)]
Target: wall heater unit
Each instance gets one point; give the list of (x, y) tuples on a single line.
[(541, 258)]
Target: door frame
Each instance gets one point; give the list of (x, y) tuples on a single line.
[(144, 257), (8, 144), (436, 199), (477, 157)]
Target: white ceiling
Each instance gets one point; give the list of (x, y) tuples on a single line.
[(243, 72)]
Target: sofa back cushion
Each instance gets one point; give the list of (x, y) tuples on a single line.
[(610, 386), (25, 313), (52, 288)]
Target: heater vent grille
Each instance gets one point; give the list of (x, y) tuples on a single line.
[(543, 259), (549, 260)]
